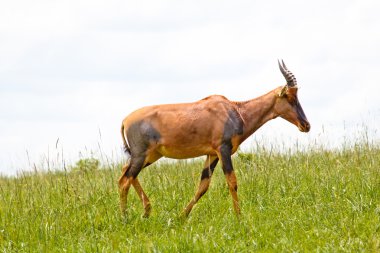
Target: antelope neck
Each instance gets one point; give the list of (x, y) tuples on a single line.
[(256, 112)]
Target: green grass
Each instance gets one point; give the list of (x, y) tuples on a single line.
[(320, 201)]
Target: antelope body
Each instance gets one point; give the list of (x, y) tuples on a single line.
[(213, 126)]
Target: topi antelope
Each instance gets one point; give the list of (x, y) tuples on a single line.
[(213, 126)]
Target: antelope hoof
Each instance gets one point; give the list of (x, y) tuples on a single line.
[(123, 211), (185, 213), (147, 212)]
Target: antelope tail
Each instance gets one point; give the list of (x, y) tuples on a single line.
[(126, 146)]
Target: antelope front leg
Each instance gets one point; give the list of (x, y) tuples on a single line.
[(211, 162), (232, 185), (225, 154)]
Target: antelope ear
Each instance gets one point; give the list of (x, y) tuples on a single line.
[(283, 91)]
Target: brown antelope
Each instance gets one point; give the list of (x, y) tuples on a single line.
[(213, 126)]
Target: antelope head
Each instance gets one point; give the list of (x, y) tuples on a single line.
[(287, 105)]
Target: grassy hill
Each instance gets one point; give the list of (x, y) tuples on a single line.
[(309, 201)]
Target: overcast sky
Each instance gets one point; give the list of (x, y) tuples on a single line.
[(72, 70)]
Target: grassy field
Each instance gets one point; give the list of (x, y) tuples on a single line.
[(321, 201)]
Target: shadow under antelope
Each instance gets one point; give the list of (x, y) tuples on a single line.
[(213, 126)]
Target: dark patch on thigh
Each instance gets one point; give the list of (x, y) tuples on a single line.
[(140, 135)]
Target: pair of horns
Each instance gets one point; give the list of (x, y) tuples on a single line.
[(289, 76)]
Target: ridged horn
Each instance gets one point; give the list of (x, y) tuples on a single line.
[(289, 76)]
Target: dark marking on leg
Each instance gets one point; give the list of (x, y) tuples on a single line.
[(225, 153), (207, 172)]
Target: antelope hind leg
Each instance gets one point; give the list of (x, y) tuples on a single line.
[(144, 199)]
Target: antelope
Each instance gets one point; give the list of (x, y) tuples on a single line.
[(213, 127)]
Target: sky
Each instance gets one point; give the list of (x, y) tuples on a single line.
[(70, 71)]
